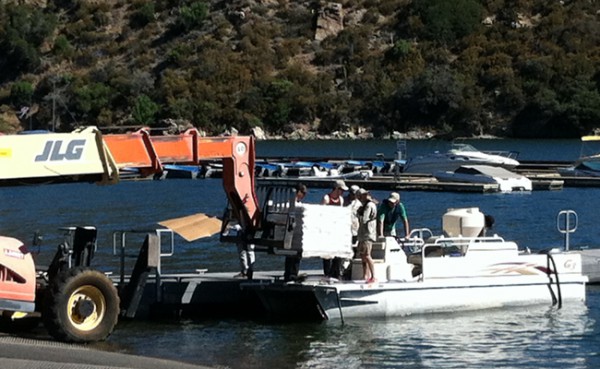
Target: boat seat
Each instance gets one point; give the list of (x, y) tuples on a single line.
[(378, 252), (389, 260)]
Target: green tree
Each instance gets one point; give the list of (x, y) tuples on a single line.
[(144, 110), (23, 30), (21, 93), (143, 15), (90, 99), (582, 108), (192, 16), (63, 48), (401, 49), (446, 21), (278, 104)]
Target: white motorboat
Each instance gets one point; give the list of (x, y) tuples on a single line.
[(460, 154), (457, 271), (507, 181), (588, 164)]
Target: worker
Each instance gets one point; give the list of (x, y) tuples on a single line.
[(292, 262), (352, 195), (247, 258), (332, 267), (354, 203), (488, 224), (388, 214), (336, 196), (301, 192), (367, 234)]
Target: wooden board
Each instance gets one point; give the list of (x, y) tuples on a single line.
[(193, 227)]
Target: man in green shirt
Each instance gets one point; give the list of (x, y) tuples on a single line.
[(388, 214)]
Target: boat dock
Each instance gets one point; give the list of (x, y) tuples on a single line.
[(412, 182), (544, 177), (399, 183), (203, 295)]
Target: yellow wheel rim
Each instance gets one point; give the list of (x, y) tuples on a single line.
[(86, 295)]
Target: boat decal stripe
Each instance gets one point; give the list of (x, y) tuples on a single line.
[(345, 295)]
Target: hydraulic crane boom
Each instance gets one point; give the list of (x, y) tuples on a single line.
[(238, 155), (266, 224)]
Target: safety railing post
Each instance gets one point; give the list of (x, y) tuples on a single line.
[(568, 226)]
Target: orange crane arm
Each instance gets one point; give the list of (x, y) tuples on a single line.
[(134, 150), (238, 156)]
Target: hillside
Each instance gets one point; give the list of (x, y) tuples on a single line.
[(365, 67)]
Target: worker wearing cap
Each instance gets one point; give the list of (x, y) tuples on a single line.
[(336, 196), (388, 214), (367, 234), (354, 203), (333, 267)]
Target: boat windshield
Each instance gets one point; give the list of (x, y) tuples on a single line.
[(590, 148), (591, 164), (462, 147)]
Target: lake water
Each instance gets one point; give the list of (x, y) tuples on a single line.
[(538, 337)]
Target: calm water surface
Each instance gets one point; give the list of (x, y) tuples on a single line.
[(539, 337)]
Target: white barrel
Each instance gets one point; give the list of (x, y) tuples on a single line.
[(466, 222)]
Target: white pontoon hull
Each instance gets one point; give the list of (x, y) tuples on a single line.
[(401, 299), (461, 270)]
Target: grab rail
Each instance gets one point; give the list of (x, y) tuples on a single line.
[(568, 228), (554, 271), (120, 243), (339, 302)]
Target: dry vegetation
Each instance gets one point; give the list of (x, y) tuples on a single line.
[(503, 67)]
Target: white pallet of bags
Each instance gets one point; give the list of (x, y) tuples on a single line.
[(323, 231)]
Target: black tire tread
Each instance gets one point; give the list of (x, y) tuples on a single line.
[(58, 294)]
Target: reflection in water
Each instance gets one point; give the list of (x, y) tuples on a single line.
[(528, 337), (531, 337)]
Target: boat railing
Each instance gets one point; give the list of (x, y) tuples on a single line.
[(157, 244), (165, 247), (443, 246), (568, 225), (415, 240)]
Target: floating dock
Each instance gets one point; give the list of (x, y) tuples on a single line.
[(410, 182), (203, 295)]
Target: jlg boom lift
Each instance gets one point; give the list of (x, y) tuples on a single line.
[(78, 303)]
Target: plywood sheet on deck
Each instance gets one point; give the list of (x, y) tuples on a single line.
[(193, 227)]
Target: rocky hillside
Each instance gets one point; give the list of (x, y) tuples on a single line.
[(299, 68)]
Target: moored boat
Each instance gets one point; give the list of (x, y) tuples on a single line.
[(506, 180), (588, 164), (460, 154)]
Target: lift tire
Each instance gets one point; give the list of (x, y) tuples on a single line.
[(81, 305)]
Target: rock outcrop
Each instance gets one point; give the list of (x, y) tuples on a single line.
[(330, 21)]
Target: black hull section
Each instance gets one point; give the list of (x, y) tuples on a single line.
[(289, 302)]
